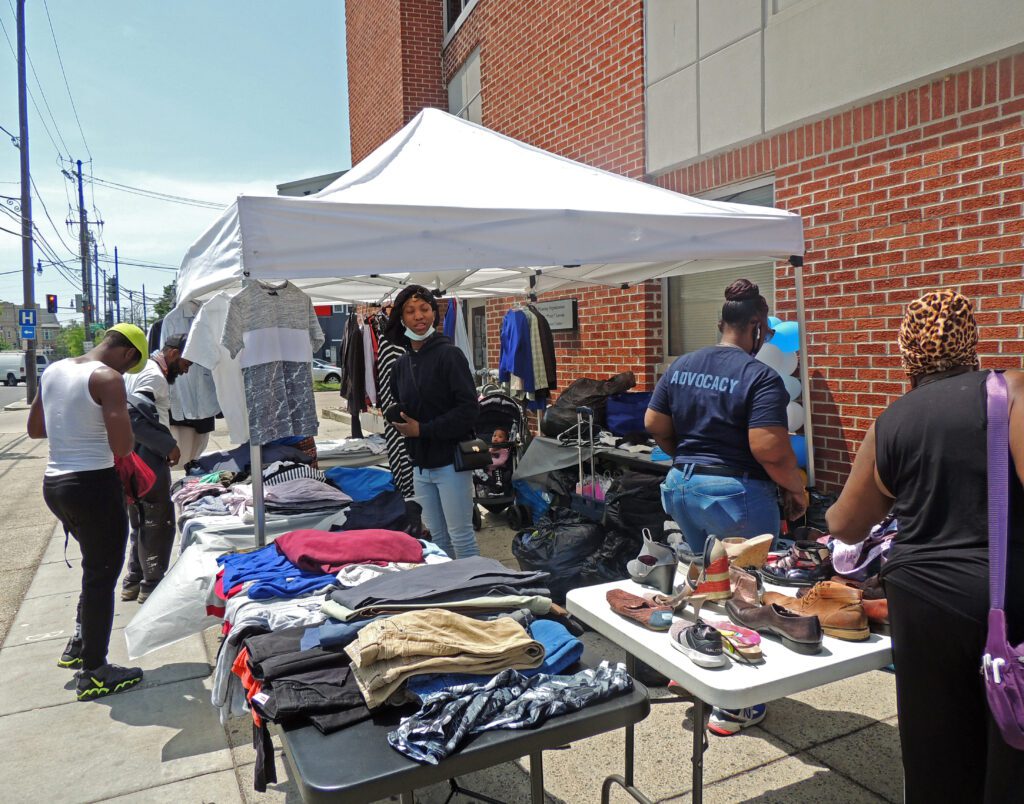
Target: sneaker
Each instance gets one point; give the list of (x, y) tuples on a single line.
[(143, 596), (725, 722), (105, 680), (72, 655), (700, 643), (130, 592)]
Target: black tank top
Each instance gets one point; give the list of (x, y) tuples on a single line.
[(930, 449)]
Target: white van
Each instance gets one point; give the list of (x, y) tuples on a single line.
[(12, 367)]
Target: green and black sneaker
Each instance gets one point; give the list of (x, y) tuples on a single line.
[(105, 680), (71, 658)]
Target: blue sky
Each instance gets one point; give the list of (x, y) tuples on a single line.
[(199, 99)]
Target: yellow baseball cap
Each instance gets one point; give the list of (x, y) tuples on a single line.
[(137, 338)]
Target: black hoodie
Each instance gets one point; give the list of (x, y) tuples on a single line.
[(435, 387)]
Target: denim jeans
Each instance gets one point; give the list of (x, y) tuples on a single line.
[(723, 506), (446, 497)]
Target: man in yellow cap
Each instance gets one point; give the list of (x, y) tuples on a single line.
[(81, 408)]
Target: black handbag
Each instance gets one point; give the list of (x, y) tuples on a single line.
[(472, 454)]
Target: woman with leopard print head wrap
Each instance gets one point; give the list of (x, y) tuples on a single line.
[(925, 458)]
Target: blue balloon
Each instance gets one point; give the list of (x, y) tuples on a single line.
[(799, 444), (787, 336), (773, 322)]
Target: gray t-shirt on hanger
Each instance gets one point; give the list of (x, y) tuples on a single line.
[(278, 330)]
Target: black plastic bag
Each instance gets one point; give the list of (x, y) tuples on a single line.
[(586, 391), (632, 503), (558, 545)]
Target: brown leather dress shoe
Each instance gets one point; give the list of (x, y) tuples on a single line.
[(639, 610), (839, 608), (800, 633)]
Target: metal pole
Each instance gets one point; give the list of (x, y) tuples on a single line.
[(145, 315), (96, 275), (256, 471), (131, 306), (27, 277), (83, 243), (117, 287), (805, 369)]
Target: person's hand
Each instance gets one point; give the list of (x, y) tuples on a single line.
[(174, 456), (794, 504), (410, 428)]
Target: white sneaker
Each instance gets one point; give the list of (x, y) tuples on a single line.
[(725, 722)]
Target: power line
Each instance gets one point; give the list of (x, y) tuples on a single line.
[(155, 194), (32, 97), (60, 61), (39, 84)]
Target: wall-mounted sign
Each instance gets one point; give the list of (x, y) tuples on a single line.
[(561, 314)]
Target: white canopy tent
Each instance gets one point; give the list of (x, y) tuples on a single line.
[(459, 208)]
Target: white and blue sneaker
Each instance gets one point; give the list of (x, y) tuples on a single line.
[(725, 722)]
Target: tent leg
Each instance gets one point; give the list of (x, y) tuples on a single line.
[(805, 370), (256, 467)]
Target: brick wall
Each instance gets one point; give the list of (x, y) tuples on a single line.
[(393, 67), (566, 77), (916, 191)]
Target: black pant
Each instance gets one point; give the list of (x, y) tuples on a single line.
[(90, 506), (152, 537), (952, 750)]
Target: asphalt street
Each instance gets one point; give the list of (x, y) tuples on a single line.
[(8, 395)]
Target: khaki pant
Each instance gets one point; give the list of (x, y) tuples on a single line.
[(387, 652)]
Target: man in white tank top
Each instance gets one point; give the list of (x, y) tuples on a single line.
[(81, 407)]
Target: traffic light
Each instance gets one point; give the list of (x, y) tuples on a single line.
[(51, 302)]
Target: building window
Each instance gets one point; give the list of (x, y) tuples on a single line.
[(693, 303), (464, 90), (453, 10)]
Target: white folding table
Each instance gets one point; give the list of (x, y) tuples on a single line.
[(783, 672)]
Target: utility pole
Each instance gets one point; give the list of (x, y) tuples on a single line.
[(144, 314), (96, 274), (83, 242), (117, 287), (28, 280), (131, 305)]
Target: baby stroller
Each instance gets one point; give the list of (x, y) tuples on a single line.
[(492, 487)]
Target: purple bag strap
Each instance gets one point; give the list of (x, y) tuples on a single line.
[(998, 485)]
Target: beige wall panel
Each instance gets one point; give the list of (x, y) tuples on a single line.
[(670, 37), (723, 22), (730, 94), (672, 120)]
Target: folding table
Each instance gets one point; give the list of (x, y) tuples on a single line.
[(356, 764), (735, 686)]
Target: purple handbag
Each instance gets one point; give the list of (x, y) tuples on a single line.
[(1002, 664)]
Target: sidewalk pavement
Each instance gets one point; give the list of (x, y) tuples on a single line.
[(162, 741)]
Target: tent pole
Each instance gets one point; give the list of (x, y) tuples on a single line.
[(256, 468), (805, 372)]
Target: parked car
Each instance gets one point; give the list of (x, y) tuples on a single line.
[(12, 367), (325, 372)]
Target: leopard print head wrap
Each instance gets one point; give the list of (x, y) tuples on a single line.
[(938, 333)]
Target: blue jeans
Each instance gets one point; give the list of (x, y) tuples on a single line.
[(447, 500), (723, 506)]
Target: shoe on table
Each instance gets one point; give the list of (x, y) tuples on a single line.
[(105, 680), (726, 722), (839, 608), (130, 592), (700, 643), (72, 655)]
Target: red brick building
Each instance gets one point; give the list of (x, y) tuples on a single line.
[(898, 138)]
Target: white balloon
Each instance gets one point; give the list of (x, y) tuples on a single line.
[(771, 355), (788, 364), (795, 413), (793, 387)]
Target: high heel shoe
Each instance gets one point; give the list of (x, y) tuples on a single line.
[(745, 553), (654, 566), (713, 579)]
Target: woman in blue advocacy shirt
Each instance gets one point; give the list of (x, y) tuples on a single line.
[(721, 414)]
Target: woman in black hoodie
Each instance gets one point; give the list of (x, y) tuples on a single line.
[(435, 392)]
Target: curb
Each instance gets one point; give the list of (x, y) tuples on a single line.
[(17, 406)]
